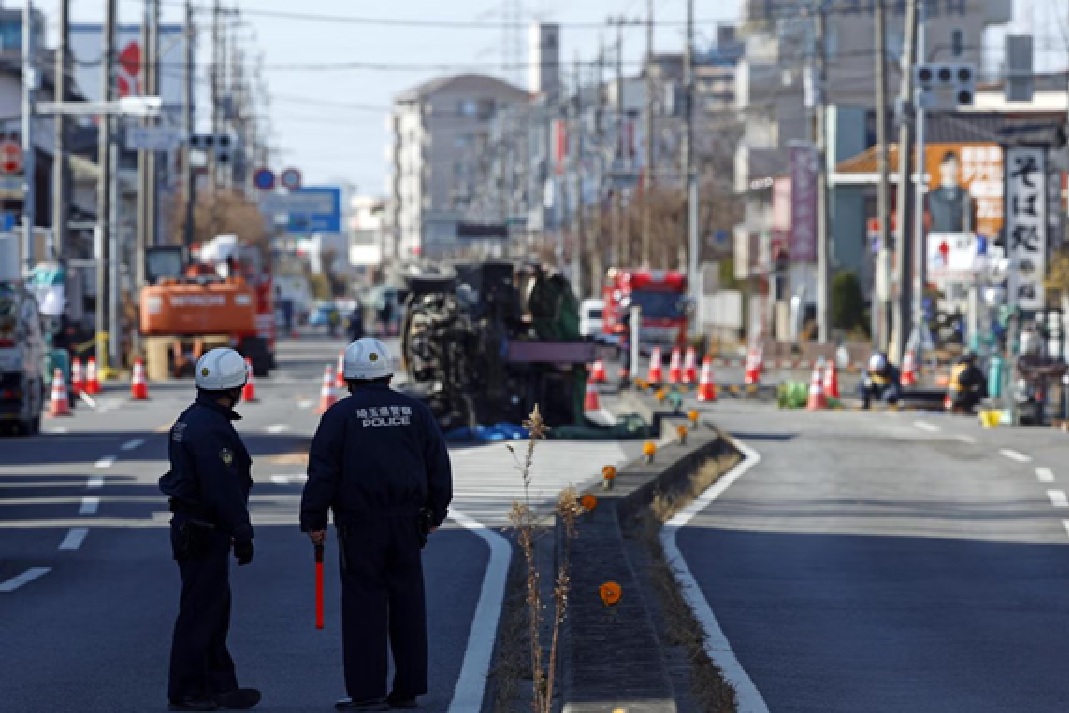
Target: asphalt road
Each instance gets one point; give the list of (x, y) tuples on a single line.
[(88, 592), (891, 562)]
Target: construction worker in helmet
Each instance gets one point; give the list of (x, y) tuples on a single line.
[(379, 462), (967, 386), (880, 380), (208, 488)]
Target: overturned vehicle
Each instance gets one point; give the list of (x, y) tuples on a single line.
[(489, 342)]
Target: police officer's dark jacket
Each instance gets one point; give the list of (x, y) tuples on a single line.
[(373, 451), (211, 471)]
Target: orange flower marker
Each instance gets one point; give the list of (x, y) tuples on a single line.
[(589, 502), (608, 477), (661, 395), (681, 431), (610, 592), (649, 450), (693, 416)]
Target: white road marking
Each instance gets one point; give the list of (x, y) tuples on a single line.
[(288, 479), (1014, 455), (74, 538), (90, 504), (1045, 475), (131, 445), (106, 462), (55, 430), (966, 439), (717, 646), (474, 669), (277, 428), (304, 404), (1065, 524), (1058, 499), (27, 576), (925, 426), (95, 481)]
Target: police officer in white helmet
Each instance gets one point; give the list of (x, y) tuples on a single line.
[(208, 491), (379, 462)]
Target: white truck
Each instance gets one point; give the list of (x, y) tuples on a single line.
[(22, 346)]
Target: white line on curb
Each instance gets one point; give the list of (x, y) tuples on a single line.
[(1014, 455), (95, 481), (131, 445), (1045, 475), (1058, 499), (106, 462), (717, 647), (475, 668), (27, 576), (925, 426), (90, 504), (74, 538)]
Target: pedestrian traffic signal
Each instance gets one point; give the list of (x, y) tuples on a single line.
[(221, 145), (945, 86)]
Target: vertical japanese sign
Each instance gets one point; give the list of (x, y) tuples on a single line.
[(1026, 225), (803, 229)]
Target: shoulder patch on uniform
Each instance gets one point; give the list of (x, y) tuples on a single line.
[(177, 430), (227, 456)]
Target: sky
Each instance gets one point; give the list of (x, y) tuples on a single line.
[(331, 123)]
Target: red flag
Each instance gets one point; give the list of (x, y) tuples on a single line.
[(319, 585)]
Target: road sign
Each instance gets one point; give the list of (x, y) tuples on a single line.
[(263, 179), (953, 254), (308, 210), (290, 179), (152, 138), (10, 157)]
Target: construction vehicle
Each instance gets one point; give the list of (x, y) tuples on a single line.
[(478, 353), (661, 294), (222, 296)]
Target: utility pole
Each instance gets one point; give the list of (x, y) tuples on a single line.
[(882, 333), (920, 254), (621, 236), (577, 181), (904, 245), (141, 236), (819, 130), (189, 126), (217, 58), (647, 184), (29, 165), (61, 169), (153, 89), (693, 247), (104, 256)]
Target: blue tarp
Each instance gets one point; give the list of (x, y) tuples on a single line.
[(487, 434)]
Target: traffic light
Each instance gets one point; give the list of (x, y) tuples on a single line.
[(219, 144), (945, 86)]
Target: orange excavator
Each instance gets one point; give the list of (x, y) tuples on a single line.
[(223, 297)]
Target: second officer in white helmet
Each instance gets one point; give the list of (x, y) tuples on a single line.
[(379, 462)]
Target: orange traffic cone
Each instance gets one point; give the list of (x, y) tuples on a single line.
[(706, 385), (92, 382), (675, 368), (817, 400), (139, 387), (690, 367), (948, 403), (655, 376), (597, 373), (592, 402), (59, 406), (339, 379), (831, 381), (753, 366), (248, 392), (909, 369), (77, 380), (327, 398)]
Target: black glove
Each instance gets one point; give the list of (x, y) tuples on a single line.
[(243, 552)]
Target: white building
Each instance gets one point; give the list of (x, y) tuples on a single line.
[(367, 233)]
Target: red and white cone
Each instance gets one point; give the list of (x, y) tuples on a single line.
[(339, 378), (831, 381), (690, 367), (655, 375), (592, 402), (706, 385), (597, 372), (139, 385), (248, 392), (92, 381), (77, 379), (754, 363), (909, 369), (817, 400), (675, 367), (327, 398), (58, 404)]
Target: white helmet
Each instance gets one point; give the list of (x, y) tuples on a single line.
[(877, 362), (367, 359), (221, 369)]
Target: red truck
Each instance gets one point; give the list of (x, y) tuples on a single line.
[(661, 294)]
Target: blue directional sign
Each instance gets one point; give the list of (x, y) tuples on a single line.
[(306, 210)]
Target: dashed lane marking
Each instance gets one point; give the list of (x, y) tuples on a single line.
[(90, 505), (95, 481), (1045, 475), (925, 426), (29, 575), (1058, 499), (288, 479), (105, 462), (132, 444), (1014, 455), (966, 439), (277, 428), (304, 403), (74, 538), (55, 431)]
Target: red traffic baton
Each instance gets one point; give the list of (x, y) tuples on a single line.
[(319, 585)]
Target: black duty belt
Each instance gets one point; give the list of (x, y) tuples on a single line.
[(194, 510)]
